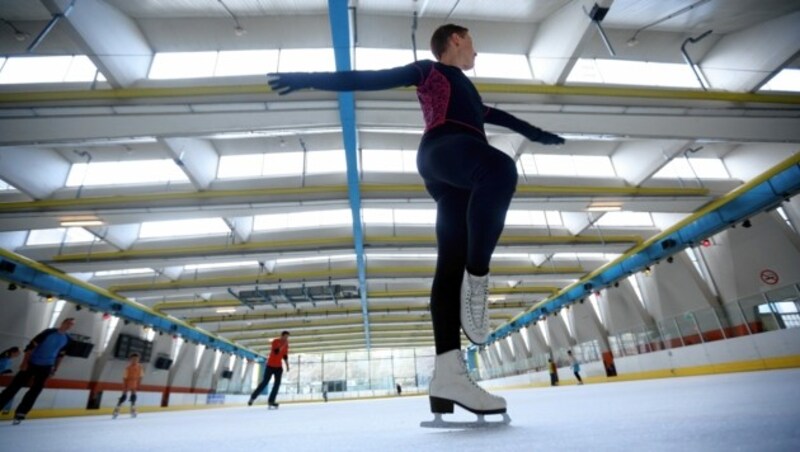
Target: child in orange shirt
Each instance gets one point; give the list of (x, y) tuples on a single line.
[(130, 382)]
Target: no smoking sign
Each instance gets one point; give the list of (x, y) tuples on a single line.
[(769, 277)]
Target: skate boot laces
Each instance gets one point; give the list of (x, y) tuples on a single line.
[(477, 299)]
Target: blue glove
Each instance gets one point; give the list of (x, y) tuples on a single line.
[(548, 138), (285, 83)]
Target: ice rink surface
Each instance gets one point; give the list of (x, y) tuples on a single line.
[(755, 411)]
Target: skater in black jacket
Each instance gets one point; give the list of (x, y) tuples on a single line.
[(472, 184)]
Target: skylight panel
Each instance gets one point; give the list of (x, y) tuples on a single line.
[(389, 161), (405, 256), (173, 65), (694, 168), (385, 161), (377, 216), (81, 69), (127, 172), (58, 235), (637, 73), (124, 272), (319, 162), (415, 216), (373, 58), (220, 265), (306, 60), (183, 228), (593, 166), (525, 218), (283, 164), (554, 164), (297, 220), (502, 65), (312, 259), (785, 80), (246, 62), (48, 69), (567, 165), (709, 168), (233, 166), (553, 217), (588, 256), (626, 219)]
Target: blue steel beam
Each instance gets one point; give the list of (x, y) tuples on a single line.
[(762, 193), (35, 276), (340, 31)]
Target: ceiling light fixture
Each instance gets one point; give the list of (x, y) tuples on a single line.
[(601, 206), (80, 221)]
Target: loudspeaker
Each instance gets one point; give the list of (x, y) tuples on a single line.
[(79, 349), (227, 374), (163, 363)]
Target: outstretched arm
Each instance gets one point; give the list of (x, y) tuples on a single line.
[(286, 82), (529, 131)]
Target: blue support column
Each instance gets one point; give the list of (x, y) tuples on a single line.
[(340, 31)]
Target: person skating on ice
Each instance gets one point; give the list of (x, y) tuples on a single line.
[(130, 383), (278, 352), (472, 184), (42, 358)]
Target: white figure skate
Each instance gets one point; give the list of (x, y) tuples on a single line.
[(133, 411), (115, 413), (475, 308), (273, 406), (451, 385)]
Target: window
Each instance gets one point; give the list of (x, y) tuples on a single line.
[(127, 172), (232, 166), (123, 272), (246, 62), (588, 256), (47, 69), (625, 219), (785, 80), (283, 164), (372, 58), (638, 73), (58, 235), (172, 65), (389, 161), (308, 219), (502, 65), (399, 216), (307, 260), (57, 308), (183, 228), (567, 165), (415, 216), (533, 218), (220, 265), (111, 326), (319, 162), (306, 60), (693, 168)]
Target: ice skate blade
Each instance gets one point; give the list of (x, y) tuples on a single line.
[(438, 422)]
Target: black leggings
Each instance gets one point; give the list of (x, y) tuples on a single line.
[(276, 385), (124, 397), (472, 184), (35, 375)]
